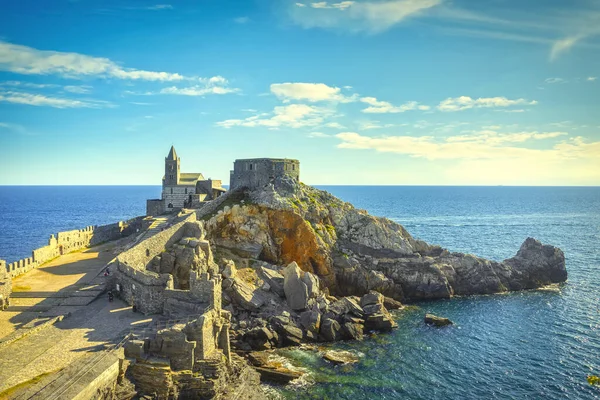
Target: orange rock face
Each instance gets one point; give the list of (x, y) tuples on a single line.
[(297, 241)]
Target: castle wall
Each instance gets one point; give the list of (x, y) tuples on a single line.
[(257, 173), (155, 207), (68, 241)]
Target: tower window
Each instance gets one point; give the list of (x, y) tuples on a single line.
[(185, 190), (250, 167), (171, 190)]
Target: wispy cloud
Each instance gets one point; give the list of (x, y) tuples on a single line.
[(383, 107), (29, 61), (555, 80), (159, 7), (29, 85), (465, 102), (81, 89), (56, 102), (214, 85), (292, 116), (318, 135), (369, 16), (312, 92), (591, 78), (241, 20)]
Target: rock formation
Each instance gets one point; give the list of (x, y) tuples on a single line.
[(352, 252)]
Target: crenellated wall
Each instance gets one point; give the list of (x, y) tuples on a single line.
[(68, 241)]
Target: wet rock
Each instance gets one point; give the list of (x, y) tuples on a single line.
[(380, 322), (431, 319), (338, 357), (392, 304), (352, 330), (279, 375), (260, 338)]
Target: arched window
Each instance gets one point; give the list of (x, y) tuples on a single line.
[(170, 205), (250, 167)]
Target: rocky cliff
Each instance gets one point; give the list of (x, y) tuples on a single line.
[(353, 252)]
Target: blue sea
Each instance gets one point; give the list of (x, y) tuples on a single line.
[(527, 345)]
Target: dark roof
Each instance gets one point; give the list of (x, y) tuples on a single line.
[(172, 154)]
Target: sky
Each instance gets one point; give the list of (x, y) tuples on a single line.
[(373, 92)]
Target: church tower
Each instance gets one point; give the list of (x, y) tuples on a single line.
[(172, 173)]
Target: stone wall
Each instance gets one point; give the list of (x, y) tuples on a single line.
[(153, 292), (259, 172), (155, 207), (68, 241), (5, 286), (176, 196)]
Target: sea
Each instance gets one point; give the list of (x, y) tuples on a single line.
[(539, 344)]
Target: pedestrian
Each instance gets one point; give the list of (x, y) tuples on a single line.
[(110, 296), (133, 307)]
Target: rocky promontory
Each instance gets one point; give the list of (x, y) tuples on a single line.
[(301, 265), (353, 252)]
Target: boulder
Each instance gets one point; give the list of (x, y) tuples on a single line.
[(330, 330), (279, 375), (431, 319), (380, 322), (372, 297), (296, 291), (392, 304), (290, 335), (229, 270), (312, 284), (352, 330), (340, 357), (311, 320), (274, 279), (260, 338), (245, 296)]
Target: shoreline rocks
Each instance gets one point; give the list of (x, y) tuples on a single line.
[(434, 320)]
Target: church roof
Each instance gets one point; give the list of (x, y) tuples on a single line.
[(190, 178), (172, 154)]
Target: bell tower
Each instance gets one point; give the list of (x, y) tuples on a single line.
[(172, 168)]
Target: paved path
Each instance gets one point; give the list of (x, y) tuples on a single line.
[(71, 283), (42, 288)]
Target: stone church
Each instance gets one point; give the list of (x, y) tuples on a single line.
[(182, 189)]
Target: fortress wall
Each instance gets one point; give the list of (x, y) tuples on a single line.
[(255, 173), (139, 286), (68, 241)]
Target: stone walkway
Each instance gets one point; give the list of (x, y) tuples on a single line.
[(71, 283)]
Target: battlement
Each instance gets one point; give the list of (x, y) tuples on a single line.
[(69, 241), (259, 172)]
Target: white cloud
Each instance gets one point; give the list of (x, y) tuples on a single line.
[(159, 7), (214, 85), (340, 6), (292, 116), (368, 125), (476, 146), (312, 92), (555, 80), (591, 78), (564, 45), (369, 16), (29, 61), (29, 84), (466, 102), (318, 135), (81, 89), (334, 125), (56, 102), (382, 107)]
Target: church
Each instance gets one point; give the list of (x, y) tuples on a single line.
[(182, 189)]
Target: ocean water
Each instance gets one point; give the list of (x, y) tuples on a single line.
[(527, 345)]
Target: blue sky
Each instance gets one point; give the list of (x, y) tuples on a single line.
[(410, 92)]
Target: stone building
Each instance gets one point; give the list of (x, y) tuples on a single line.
[(259, 172), (182, 189)]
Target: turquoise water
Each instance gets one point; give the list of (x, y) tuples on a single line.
[(530, 345)]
